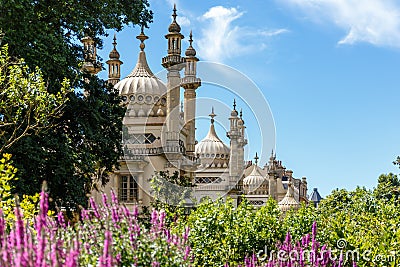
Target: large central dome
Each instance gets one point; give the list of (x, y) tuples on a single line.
[(141, 81), (142, 90)]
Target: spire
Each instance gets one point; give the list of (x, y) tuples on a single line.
[(141, 69), (174, 26), (142, 37), (212, 135), (190, 38), (114, 54), (256, 158), (212, 115), (174, 15), (241, 114), (234, 112), (190, 51)]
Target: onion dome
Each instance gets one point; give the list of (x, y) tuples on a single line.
[(174, 26), (289, 202), (144, 91), (190, 51), (114, 54), (211, 150), (241, 121), (255, 179), (234, 112)]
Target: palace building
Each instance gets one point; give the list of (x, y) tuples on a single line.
[(160, 135)]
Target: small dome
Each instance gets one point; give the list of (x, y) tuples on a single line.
[(190, 52), (114, 54), (289, 202), (212, 145), (174, 27), (254, 179), (211, 150), (141, 81)]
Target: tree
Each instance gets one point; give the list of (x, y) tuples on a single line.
[(86, 141), (358, 221), (7, 200), (397, 162), (25, 105), (170, 194), (388, 187)]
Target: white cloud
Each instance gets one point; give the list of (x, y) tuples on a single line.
[(221, 39), (183, 21), (272, 32), (371, 21)]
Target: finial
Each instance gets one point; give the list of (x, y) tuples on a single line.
[(190, 38), (142, 37), (174, 14), (234, 104), (181, 106), (241, 113), (212, 115), (256, 158), (115, 40)]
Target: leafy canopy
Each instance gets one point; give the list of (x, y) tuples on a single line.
[(26, 107), (85, 142)]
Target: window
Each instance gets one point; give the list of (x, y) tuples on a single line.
[(128, 189), (147, 138), (208, 180)]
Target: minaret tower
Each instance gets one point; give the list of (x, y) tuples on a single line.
[(114, 64), (173, 62), (90, 65), (190, 83), (234, 135), (242, 142)]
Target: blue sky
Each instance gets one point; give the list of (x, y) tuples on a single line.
[(329, 69)]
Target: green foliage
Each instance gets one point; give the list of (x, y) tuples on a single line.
[(170, 194), (46, 33), (86, 141), (25, 105), (28, 204), (366, 222), (299, 222), (397, 162), (221, 233), (388, 187)]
